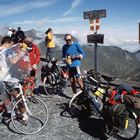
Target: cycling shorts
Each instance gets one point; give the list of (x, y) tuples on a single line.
[(74, 72)]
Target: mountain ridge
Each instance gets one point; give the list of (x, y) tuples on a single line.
[(110, 59)]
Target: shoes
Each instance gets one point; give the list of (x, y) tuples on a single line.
[(6, 114), (33, 99), (25, 117)]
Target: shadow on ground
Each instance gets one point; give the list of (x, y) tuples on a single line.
[(92, 126)]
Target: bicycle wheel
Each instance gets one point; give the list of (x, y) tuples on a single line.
[(78, 106), (38, 116), (131, 131), (49, 88)]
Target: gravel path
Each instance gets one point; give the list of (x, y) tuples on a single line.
[(61, 126)]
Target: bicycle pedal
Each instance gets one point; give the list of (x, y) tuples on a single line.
[(22, 121)]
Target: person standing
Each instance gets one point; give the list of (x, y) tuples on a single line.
[(9, 33), (72, 53), (8, 58), (19, 36), (34, 57), (49, 43), (13, 35)]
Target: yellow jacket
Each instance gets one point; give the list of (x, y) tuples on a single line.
[(51, 43)]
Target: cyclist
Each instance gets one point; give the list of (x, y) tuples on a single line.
[(9, 33), (19, 36), (49, 43), (34, 56), (72, 53), (7, 58)]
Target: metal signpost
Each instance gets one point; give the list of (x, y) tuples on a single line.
[(139, 32), (94, 18)]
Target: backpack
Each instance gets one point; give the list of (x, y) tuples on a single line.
[(131, 97), (45, 69), (117, 95), (119, 115), (51, 73), (132, 101)]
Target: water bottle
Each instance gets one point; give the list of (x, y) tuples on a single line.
[(95, 106), (69, 60), (99, 92)]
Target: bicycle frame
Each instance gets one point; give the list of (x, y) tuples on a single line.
[(19, 86)]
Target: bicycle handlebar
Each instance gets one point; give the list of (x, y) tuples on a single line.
[(98, 83)]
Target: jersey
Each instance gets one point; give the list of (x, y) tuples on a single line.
[(5, 65), (72, 50), (50, 42)]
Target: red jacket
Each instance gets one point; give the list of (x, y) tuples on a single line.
[(34, 55)]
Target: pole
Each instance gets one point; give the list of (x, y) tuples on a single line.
[(95, 55), (139, 32)]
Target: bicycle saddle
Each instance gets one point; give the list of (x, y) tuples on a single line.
[(108, 78)]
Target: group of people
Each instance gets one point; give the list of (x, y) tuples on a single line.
[(11, 52), (72, 54), (16, 35), (71, 50)]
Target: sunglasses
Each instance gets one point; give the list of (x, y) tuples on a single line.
[(68, 40)]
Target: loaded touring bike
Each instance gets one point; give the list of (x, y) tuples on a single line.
[(92, 101)]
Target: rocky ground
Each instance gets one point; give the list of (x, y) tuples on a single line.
[(61, 126)]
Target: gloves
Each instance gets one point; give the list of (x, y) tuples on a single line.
[(35, 66)]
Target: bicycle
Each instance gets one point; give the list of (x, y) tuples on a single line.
[(37, 119), (92, 100), (54, 77)]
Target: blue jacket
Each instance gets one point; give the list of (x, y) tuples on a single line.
[(72, 50)]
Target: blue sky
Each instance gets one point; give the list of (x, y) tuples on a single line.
[(120, 25)]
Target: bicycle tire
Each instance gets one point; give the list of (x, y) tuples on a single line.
[(47, 87), (51, 90), (36, 122), (77, 106), (131, 131)]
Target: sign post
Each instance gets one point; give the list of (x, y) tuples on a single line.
[(94, 18), (139, 32)]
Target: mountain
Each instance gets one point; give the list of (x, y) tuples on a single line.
[(1, 37), (32, 33), (137, 54), (134, 75), (111, 60)]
